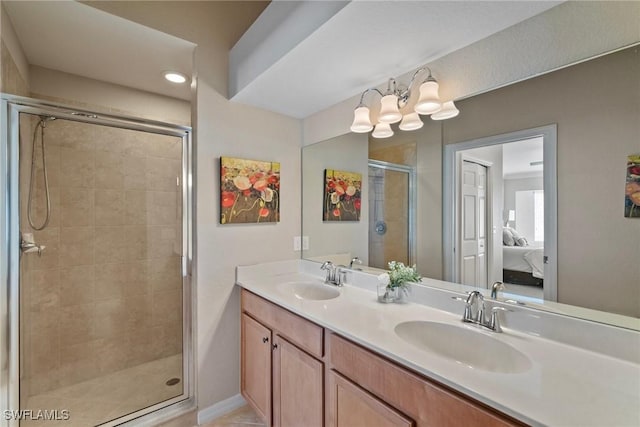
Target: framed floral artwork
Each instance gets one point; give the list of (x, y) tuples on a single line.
[(249, 191), (342, 196), (632, 188)]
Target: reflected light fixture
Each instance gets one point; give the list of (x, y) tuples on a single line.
[(397, 97), (382, 130), (175, 77)]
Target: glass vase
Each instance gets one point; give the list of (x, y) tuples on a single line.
[(386, 294), (398, 294)]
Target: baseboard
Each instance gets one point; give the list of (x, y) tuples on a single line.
[(221, 408)]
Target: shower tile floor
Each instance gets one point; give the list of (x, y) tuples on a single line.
[(102, 399)]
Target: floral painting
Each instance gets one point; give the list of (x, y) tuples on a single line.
[(249, 191), (342, 195), (632, 188)]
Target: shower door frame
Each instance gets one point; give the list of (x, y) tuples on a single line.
[(412, 202), (10, 109)]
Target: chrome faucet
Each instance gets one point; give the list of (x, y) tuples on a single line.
[(355, 260), (335, 275), (474, 312), (495, 288)]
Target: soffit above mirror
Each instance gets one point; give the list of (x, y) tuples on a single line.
[(299, 58), (78, 39)]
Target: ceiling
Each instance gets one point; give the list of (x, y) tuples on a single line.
[(75, 38), (356, 45), (517, 158)]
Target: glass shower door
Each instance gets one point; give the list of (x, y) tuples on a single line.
[(101, 284), (391, 214)]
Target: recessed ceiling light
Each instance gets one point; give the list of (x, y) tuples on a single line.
[(175, 77)]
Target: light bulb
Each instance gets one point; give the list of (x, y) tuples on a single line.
[(411, 121), (429, 101), (448, 111), (382, 130), (361, 122), (389, 112), (175, 77)]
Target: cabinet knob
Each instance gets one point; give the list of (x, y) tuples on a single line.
[(275, 346), (265, 339)]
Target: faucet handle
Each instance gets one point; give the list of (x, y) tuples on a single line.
[(494, 323), (327, 265), (341, 275)]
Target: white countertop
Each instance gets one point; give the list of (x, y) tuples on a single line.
[(566, 385)]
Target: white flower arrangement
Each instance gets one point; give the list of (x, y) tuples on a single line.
[(399, 276)]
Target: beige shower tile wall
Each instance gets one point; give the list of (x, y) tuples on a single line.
[(394, 244), (106, 294), (11, 81)]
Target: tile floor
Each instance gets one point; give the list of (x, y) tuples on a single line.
[(241, 417), (101, 399)]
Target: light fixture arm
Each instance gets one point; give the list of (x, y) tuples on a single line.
[(404, 94), (373, 89)]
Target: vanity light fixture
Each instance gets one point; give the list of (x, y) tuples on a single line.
[(175, 77), (395, 98)]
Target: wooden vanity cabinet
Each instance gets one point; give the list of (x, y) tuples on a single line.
[(256, 366), (350, 406), (412, 398), (284, 383), (295, 373)]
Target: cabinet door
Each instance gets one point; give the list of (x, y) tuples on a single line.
[(256, 367), (351, 406), (297, 387)]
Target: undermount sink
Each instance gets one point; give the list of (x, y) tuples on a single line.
[(311, 290), (465, 345)]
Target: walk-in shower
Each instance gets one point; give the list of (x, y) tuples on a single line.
[(392, 201), (96, 237)]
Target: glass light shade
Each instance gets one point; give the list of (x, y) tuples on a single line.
[(448, 111), (411, 121), (382, 130), (361, 121), (389, 112), (429, 101)]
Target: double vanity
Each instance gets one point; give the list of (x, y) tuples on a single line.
[(315, 354)]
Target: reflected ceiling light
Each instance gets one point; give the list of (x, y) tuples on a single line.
[(382, 130), (175, 77), (397, 97), (447, 111), (411, 121)]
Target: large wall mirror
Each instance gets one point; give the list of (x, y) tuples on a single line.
[(594, 109)]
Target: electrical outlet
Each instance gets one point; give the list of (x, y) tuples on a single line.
[(305, 243), (296, 243)]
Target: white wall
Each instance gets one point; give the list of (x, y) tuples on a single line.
[(88, 93), (12, 43), (518, 184)]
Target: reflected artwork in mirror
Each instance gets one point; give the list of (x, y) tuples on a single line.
[(342, 195), (596, 120)]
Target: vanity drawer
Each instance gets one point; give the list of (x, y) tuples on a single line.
[(426, 402), (301, 332)]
